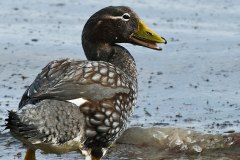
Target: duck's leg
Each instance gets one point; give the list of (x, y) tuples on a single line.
[(89, 156), (30, 155), (92, 158)]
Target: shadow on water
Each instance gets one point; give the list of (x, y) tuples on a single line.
[(151, 143)]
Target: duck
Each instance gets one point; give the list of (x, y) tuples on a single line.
[(84, 105)]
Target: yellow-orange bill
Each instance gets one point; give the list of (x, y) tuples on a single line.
[(146, 37)]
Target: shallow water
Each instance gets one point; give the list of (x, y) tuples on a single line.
[(151, 143), (193, 83)]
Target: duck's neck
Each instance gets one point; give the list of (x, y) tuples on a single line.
[(115, 54)]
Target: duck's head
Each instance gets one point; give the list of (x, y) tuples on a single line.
[(119, 24)]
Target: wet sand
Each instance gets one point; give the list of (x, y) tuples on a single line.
[(193, 83)]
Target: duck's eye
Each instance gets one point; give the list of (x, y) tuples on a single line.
[(125, 16)]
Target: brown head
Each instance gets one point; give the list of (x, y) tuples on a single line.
[(117, 24)]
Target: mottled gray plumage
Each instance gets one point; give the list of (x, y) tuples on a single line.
[(84, 105), (49, 121), (70, 79)]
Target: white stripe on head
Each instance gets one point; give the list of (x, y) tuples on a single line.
[(124, 17)]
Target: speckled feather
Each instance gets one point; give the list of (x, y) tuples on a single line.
[(109, 92), (83, 105), (49, 121), (70, 79)]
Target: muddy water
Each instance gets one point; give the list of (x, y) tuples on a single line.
[(193, 83)]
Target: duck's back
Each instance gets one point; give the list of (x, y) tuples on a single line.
[(85, 102)]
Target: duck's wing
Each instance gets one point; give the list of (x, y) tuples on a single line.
[(48, 121), (68, 79)]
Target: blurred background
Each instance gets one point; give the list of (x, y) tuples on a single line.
[(194, 82)]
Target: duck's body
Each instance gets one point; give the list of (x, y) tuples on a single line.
[(84, 105)]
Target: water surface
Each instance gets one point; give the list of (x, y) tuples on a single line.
[(193, 83)]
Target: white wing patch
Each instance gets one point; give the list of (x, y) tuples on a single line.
[(78, 101)]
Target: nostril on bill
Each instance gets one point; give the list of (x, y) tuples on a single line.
[(149, 33)]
